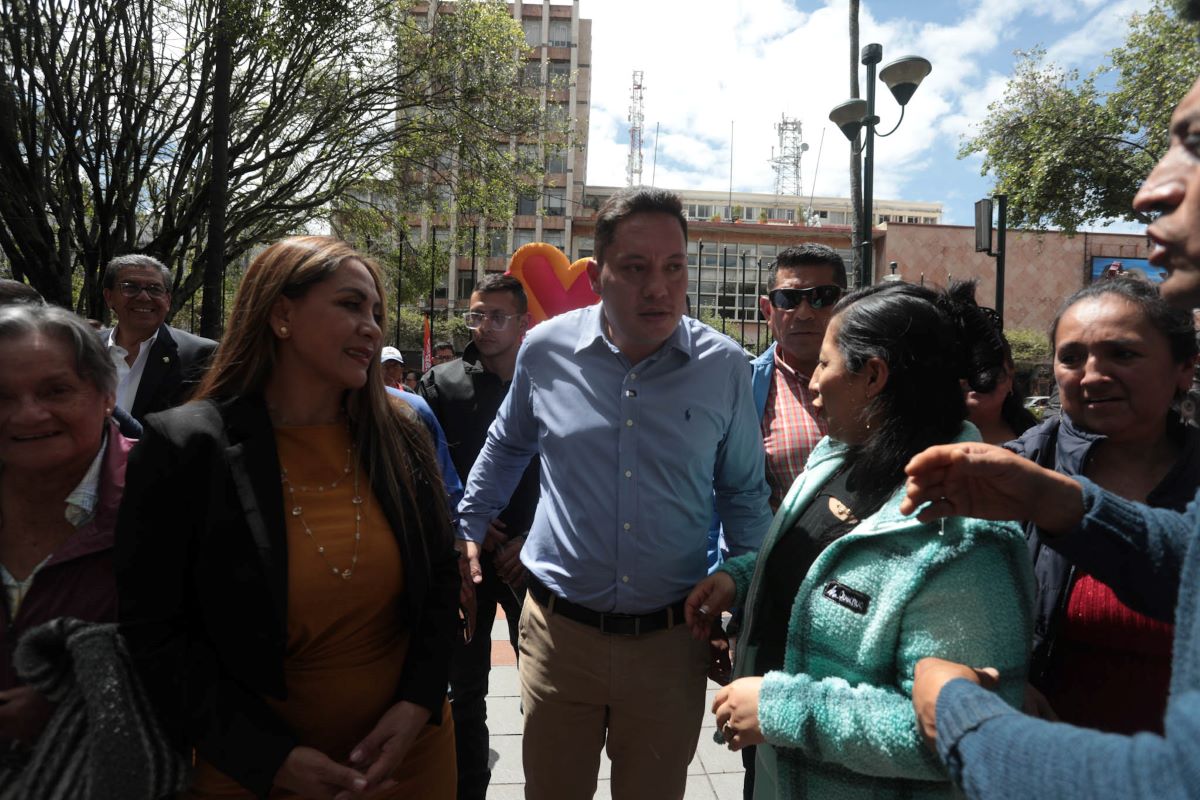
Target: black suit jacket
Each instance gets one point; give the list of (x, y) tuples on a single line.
[(201, 558), (174, 366)]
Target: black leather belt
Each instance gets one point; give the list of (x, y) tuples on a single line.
[(617, 624)]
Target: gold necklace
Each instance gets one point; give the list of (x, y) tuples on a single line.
[(298, 512)]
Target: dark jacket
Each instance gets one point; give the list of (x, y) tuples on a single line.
[(174, 367), (202, 568), (1057, 444), (465, 397), (78, 579)]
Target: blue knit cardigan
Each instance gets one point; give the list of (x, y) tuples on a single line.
[(877, 600), (1151, 559)]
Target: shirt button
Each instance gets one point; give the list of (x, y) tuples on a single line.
[(628, 423), (628, 473), (624, 579), (633, 376), (627, 526)]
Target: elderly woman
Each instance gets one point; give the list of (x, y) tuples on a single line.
[(846, 593), (287, 574), (62, 470), (1122, 360)]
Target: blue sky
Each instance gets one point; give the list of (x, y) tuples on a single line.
[(710, 62)]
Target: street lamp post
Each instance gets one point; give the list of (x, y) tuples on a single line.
[(902, 77)]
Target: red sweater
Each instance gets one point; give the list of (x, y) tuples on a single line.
[(1113, 664)]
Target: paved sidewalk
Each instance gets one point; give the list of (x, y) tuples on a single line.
[(714, 774)]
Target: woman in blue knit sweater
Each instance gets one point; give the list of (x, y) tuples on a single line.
[(846, 593)]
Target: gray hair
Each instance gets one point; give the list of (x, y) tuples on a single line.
[(92, 362), (140, 260)]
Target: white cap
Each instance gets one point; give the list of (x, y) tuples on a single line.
[(390, 353)]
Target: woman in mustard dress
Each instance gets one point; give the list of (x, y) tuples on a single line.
[(286, 570)]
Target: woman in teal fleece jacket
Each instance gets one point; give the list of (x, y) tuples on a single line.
[(847, 594)]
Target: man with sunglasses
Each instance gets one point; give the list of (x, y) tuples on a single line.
[(157, 366), (806, 282), (465, 394)]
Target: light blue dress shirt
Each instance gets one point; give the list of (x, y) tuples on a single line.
[(630, 458)]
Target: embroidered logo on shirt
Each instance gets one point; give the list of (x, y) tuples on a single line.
[(845, 596)]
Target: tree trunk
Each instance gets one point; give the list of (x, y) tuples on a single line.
[(855, 150)]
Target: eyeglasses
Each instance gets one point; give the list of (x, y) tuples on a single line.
[(133, 289), (817, 297), (498, 321), (992, 316)]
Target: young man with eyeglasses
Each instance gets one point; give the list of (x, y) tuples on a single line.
[(158, 366), (465, 394)]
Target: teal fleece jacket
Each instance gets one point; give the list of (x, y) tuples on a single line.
[(875, 602)]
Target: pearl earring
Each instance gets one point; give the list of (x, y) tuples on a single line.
[(283, 330)]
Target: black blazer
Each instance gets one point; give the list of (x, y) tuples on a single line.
[(201, 559), (174, 366)]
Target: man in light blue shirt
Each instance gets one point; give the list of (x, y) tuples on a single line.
[(638, 415)]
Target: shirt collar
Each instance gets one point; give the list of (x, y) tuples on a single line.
[(788, 369), (143, 346), (81, 502), (591, 330)]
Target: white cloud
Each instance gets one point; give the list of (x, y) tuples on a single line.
[(707, 62)]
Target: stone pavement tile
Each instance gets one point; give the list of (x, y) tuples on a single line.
[(511, 791), (504, 715), (717, 758), (698, 788), (727, 785), (504, 682), (506, 768), (695, 767)]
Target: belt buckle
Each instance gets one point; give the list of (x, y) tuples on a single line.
[(615, 618)]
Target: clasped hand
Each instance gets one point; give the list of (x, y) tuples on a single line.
[(312, 774)]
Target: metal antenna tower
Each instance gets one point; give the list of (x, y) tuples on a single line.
[(633, 167), (786, 162)]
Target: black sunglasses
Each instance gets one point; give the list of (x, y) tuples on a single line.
[(817, 297)]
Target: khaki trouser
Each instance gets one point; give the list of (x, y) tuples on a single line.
[(641, 697)]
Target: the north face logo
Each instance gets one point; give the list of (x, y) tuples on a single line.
[(845, 596)]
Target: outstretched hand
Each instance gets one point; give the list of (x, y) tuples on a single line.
[(980, 480), (930, 675)]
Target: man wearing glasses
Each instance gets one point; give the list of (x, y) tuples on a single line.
[(157, 366), (638, 415), (465, 394), (806, 282)]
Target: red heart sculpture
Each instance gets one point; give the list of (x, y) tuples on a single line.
[(553, 284)]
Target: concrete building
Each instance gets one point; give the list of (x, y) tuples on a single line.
[(558, 66)]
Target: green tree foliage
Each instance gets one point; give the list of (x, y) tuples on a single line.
[(1069, 152), (106, 122), (1028, 346)]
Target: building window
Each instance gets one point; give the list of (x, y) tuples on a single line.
[(553, 237), (556, 160), (559, 73), (556, 202), (527, 205), (533, 31), (522, 237), (531, 73), (498, 243), (466, 284), (560, 33)]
